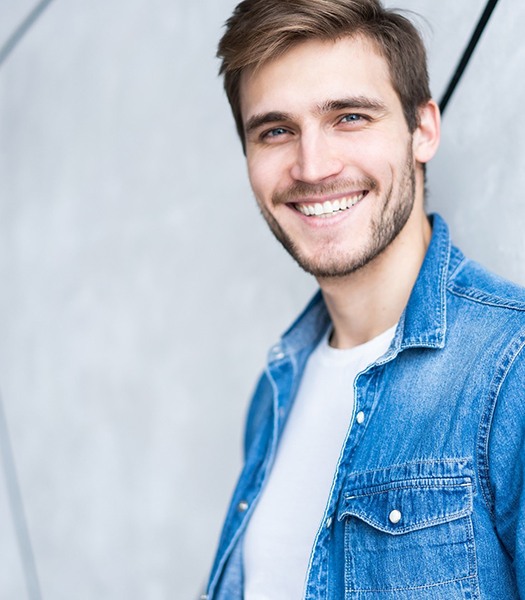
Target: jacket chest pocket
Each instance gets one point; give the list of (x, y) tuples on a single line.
[(409, 538)]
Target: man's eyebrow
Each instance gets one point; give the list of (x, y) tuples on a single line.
[(353, 103), (264, 119)]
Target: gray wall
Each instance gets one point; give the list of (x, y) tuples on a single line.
[(140, 289)]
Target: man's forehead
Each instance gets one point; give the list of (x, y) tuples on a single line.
[(316, 72)]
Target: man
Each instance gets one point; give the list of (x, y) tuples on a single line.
[(384, 443)]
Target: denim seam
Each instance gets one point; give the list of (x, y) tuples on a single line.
[(414, 588), (349, 563), (501, 372), (411, 484), (471, 543), (466, 512), (374, 374), (374, 383), (452, 461), (446, 255), (457, 261), (481, 297), (320, 585)]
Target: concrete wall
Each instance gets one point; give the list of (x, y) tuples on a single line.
[(140, 289)]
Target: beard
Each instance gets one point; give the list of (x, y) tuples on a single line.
[(397, 205)]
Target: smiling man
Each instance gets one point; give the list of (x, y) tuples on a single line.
[(384, 443)]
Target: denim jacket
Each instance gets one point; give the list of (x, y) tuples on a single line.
[(428, 498)]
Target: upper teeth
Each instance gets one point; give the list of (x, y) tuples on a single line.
[(327, 207)]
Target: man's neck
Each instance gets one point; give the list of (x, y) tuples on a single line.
[(371, 300)]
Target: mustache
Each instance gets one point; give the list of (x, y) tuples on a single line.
[(301, 191)]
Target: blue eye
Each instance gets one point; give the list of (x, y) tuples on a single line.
[(352, 118), (275, 132), (275, 135)]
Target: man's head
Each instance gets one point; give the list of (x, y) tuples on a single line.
[(260, 31), (332, 105)]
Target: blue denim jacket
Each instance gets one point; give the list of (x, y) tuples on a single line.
[(428, 499)]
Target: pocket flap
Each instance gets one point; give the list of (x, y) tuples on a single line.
[(401, 506)]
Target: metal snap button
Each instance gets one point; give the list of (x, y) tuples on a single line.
[(277, 353), (243, 506), (360, 417), (395, 516)]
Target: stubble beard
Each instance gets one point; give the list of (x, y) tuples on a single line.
[(395, 212)]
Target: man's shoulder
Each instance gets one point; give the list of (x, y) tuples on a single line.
[(473, 282)]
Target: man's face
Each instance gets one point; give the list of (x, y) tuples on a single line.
[(329, 153)]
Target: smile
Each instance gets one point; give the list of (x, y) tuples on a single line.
[(329, 208)]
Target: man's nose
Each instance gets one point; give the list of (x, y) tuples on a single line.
[(317, 159)]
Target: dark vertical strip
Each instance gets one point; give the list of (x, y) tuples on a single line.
[(22, 29), (478, 32), (17, 510)]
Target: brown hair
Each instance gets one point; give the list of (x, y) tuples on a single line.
[(261, 30)]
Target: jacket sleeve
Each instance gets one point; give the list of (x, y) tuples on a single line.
[(506, 460)]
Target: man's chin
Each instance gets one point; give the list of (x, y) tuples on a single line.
[(327, 261), (326, 268)]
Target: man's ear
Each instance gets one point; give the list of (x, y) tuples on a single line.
[(428, 132)]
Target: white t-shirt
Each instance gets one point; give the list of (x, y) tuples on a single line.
[(282, 530)]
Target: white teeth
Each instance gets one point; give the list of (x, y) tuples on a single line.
[(328, 208)]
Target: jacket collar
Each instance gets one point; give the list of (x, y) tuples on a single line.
[(423, 322)]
